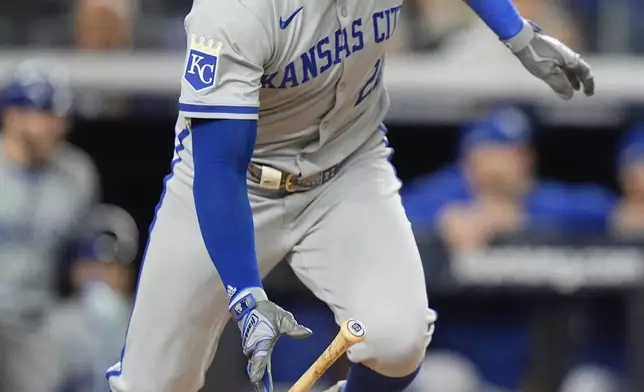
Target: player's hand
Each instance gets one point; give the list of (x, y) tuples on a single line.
[(262, 323), (551, 61)]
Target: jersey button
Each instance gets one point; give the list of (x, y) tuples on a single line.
[(341, 87), (344, 12), (325, 125)]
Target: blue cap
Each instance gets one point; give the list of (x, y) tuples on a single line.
[(506, 126), (631, 147), (39, 85)]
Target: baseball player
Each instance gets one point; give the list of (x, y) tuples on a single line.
[(47, 188), (280, 154)]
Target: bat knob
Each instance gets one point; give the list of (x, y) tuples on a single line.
[(353, 331)]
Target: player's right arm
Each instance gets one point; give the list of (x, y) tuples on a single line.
[(227, 49)]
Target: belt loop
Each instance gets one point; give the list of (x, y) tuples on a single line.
[(271, 178)]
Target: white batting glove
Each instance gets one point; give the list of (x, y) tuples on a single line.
[(261, 323), (552, 61)]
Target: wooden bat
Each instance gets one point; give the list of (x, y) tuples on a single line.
[(351, 332)]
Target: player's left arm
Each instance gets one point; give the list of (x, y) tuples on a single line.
[(543, 56), (228, 47)]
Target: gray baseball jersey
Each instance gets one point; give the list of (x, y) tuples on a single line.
[(40, 214), (310, 70), (40, 211)]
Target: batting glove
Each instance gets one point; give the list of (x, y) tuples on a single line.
[(551, 61), (261, 323)]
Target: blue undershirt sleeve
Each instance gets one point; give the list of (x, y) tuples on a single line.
[(222, 150), (500, 15)]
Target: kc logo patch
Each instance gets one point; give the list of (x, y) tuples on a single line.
[(201, 65)]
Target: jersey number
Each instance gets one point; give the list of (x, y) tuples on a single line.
[(371, 83)]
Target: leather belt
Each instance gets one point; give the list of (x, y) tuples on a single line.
[(270, 178)]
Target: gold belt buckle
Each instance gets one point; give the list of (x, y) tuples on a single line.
[(288, 183)]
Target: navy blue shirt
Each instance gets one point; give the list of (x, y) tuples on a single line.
[(549, 204)]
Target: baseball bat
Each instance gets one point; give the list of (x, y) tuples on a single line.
[(351, 332)]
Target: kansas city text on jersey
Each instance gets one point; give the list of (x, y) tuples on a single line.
[(333, 49)]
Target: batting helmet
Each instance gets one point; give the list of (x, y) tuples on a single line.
[(112, 235), (39, 85)]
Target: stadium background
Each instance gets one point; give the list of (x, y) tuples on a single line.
[(445, 70)]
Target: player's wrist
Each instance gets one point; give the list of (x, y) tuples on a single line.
[(523, 38), (245, 301)]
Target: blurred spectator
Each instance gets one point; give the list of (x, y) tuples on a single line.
[(602, 365), (628, 217), (447, 371), (608, 26), (492, 190), (33, 22), (591, 378), (47, 188), (104, 24), (87, 330), (555, 17), (455, 31)]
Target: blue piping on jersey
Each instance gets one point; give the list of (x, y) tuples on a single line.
[(180, 147), (222, 109)]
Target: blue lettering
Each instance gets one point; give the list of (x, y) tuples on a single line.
[(370, 84), (341, 45), (387, 14), (267, 80), (376, 83), (345, 37), (378, 37), (309, 65), (356, 33), (290, 76), (324, 53)]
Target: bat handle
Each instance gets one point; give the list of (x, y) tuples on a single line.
[(351, 332)]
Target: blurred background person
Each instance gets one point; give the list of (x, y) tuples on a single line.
[(628, 218), (47, 189), (101, 26), (450, 28), (492, 190), (602, 363), (104, 24), (87, 328)]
